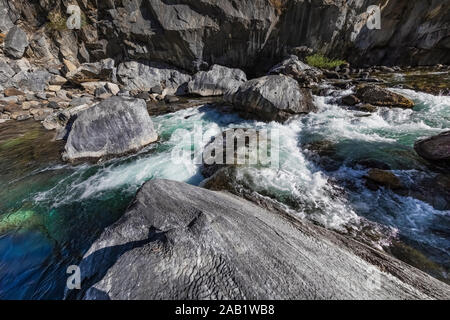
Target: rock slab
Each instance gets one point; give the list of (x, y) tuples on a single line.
[(177, 241), (436, 148)]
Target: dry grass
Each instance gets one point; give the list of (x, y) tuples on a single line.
[(279, 5), (58, 20), (2, 37)]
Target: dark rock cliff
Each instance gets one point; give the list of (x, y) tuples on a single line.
[(192, 34)]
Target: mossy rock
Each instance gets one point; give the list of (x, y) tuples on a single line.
[(20, 219)]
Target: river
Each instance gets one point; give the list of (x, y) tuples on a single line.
[(50, 212)]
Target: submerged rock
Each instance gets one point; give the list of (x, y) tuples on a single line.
[(271, 98), (381, 97), (383, 178), (350, 100), (367, 107), (177, 241), (113, 127), (436, 148), (217, 81), (234, 148), (16, 42)]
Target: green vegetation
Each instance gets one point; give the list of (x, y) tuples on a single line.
[(58, 20), (19, 219), (320, 61)]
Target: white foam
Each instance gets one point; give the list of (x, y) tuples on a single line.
[(298, 181)]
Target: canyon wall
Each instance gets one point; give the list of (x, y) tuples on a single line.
[(250, 34)]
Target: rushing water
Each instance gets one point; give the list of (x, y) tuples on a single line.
[(51, 212)]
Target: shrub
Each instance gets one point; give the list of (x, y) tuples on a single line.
[(320, 61), (58, 20)]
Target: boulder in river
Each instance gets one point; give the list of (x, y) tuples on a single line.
[(436, 148), (16, 42), (377, 96), (178, 241), (217, 81), (115, 126), (383, 178), (271, 98), (350, 100)]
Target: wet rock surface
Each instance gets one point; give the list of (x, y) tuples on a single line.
[(378, 177), (436, 148), (241, 252)]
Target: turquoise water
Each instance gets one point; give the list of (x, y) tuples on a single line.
[(51, 212)]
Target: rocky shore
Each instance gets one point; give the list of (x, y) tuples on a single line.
[(99, 89)]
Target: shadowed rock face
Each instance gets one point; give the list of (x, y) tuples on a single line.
[(181, 242), (192, 34), (271, 98), (435, 148), (113, 127)]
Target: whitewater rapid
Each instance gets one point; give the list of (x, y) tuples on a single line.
[(312, 191)]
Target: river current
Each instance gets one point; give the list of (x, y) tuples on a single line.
[(50, 212)]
